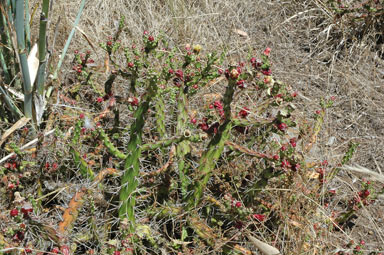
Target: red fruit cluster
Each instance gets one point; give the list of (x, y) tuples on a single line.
[(259, 217), (364, 194), (11, 165), (219, 107), (321, 173), (244, 112), (267, 72), (241, 84), (212, 129), (256, 63), (267, 51), (204, 125), (285, 163), (179, 73), (54, 165), (292, 141), (282, 126), (26, 209), (82, 60), (233, 74), (14, 212), (133, 101), (362, 197), (296, 167)]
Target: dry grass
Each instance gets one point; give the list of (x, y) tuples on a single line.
[(309, 52)]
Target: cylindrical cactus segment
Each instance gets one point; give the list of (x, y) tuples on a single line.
[(111, 148), (85, 170), (76, 132), (207, 163), (129, 180), (148, 146), (214, 150), (160, 116), (183, 148)]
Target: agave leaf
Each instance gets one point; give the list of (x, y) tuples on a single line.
[(40, 104), (265, 248), (33, 64)]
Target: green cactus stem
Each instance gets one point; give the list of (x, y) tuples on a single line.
[(149, 146), (202, 230), (160, 116), (85, 170), (253, 123), (108, 84), (183, 148), (129, 180), (111, 148), (213, 151), (76, 133)]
